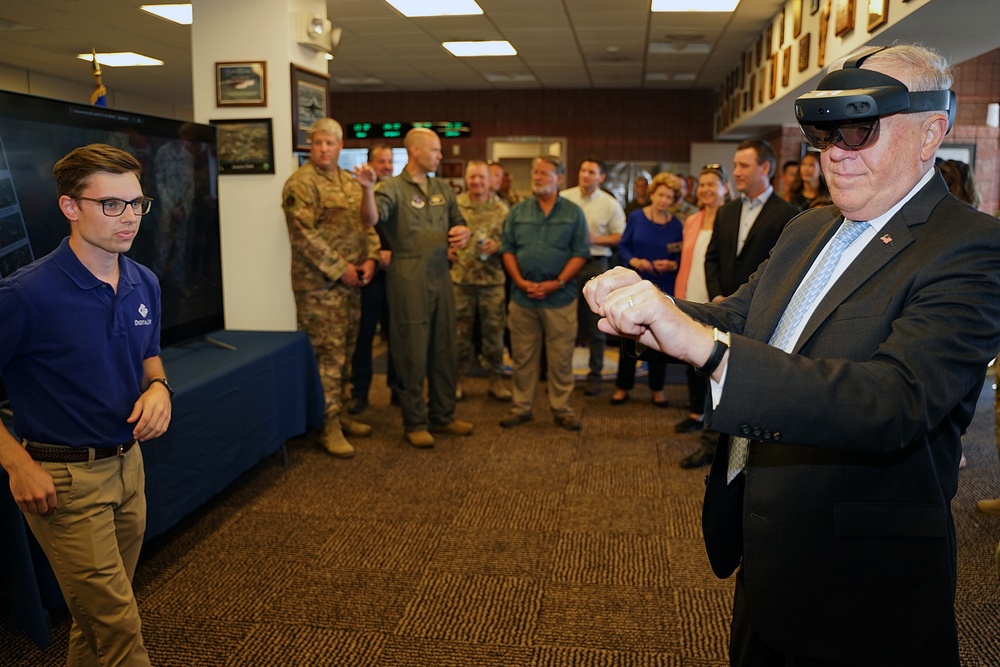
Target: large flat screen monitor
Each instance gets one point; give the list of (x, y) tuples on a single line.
[(178, 239)]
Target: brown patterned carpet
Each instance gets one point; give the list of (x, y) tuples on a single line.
[(533, 546)]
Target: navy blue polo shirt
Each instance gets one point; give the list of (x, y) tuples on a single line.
[(72, 349)]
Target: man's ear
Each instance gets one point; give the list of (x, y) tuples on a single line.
[(69, 207), (932, 132)]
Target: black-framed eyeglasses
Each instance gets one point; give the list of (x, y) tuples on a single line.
[(115, 207), (849, 136)]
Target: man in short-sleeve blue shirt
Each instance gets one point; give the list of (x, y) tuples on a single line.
[(545, 244), (79, 355)]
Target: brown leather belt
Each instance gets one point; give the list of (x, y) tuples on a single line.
[(55, 454)]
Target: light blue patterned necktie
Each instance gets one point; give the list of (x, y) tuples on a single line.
[(800, 304)]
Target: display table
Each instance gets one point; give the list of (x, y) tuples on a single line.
[(232, 408)]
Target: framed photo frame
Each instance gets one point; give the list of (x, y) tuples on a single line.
[(843, 17), (804, 52), (796, 18), (824, 33), (786, 66), (241, 84), (774, 76), (878, 14), (310, 102), (813, 6), (246, 145), (781, 27)]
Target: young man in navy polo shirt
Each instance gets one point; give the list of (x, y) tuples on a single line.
[(79, 354)]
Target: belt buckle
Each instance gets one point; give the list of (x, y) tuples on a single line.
[(118, 451)]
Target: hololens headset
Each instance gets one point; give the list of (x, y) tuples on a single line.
[(845, 110)]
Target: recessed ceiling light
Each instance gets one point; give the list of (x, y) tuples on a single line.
[(694, 5), (485, 48), (413, 8), (126, 59), (176, 13)]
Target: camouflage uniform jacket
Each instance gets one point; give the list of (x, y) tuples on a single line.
[(486, 221), (323, 213)]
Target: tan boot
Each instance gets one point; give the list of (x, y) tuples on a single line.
[(498, 389), (355, 429), (420, 439), (456, 427), (334, 442)]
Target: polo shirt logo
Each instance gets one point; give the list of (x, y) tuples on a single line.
[(143, 311)]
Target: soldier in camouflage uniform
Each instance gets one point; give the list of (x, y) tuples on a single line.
[(335, 251), (478, 277)]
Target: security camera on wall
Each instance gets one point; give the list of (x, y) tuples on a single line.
[(317, 33)]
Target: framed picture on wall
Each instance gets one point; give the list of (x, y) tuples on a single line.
[(241, 84), (774, 75), (310, 102), (796, 18), (843, 17), (246, 146), (878, 14), (804, 52), (786, 66), (824, 33), (781, 27), (813, 6)]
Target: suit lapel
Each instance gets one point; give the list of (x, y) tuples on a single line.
[(791, 268), (894, 236)]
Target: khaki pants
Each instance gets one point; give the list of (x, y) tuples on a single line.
[(92, 541), (530, 328)]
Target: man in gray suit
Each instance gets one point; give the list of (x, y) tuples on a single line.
[(745, 231), (845, 373)]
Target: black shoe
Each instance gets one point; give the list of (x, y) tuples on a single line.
[(515, 418), (568, 421), (593, 386), (357, 405), (619, 401), (688, 425), (699, 459)]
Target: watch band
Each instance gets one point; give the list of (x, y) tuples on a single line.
[(164, 382), (718, 352)]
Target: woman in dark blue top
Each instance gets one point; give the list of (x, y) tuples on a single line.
[(651, 246)]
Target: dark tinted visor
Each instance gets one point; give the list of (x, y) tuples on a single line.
[(849, 136)]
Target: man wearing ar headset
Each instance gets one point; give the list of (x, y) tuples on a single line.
[(844, 374)]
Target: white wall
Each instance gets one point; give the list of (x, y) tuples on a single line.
[(255, 250)]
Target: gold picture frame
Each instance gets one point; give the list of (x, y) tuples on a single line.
[(804, 52), (878, 14), (844, 17)]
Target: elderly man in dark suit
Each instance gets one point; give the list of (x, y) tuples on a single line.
[(745, 231), (845, 373)]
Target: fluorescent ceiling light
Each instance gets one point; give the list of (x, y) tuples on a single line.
[(176, 13), (413, 8), (485, 48), (358, 81), (518, 77), (694, 5), (127, 59)]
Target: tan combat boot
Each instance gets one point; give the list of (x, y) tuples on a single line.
[(355, 429), (333, 440), (498, 389)]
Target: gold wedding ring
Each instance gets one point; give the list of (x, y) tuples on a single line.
[(628, 300)]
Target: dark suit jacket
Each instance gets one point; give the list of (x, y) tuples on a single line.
[(848, 543), (724, 270)]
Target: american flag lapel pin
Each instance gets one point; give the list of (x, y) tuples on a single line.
[(886, 239)]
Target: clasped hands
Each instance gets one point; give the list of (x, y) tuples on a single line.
[(636, 309)]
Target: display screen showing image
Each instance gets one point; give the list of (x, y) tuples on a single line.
[(178, 239)]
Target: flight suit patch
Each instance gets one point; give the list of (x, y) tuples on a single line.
[(437, 200), (417, 202)]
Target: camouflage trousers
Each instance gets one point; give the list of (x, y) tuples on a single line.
[(488, 301), (331, 317)]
